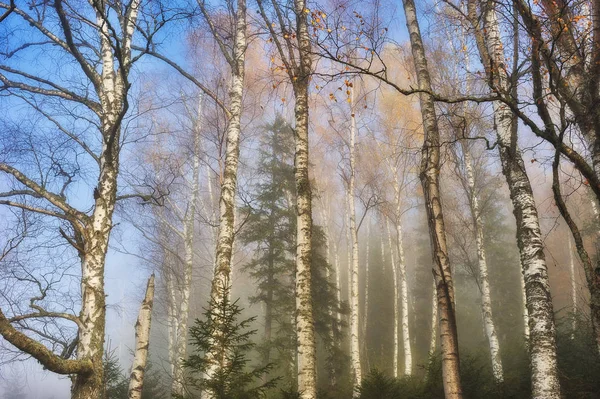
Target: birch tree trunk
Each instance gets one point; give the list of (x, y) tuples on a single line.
[(573, 288), (142, 341), (434, 320), (524, 311), (484, 285), (307, 376), (403, 288), (354, 302), (337, 279), (188, 243), (542, 342), (429, 174), (221, 283), (113, 99), (366, 305), (395, 299)]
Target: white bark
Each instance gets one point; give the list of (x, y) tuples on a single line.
[(542, 342), (142, 341), (188, 243), (434, 321), (337, 279), (395, 298), (366, 306), (484, 285), (354, 266), (429, 176), (307, 375), (573, 287), (92, 230), (403, 287), (221, 283)]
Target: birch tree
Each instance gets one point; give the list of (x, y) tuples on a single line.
[(142, 342), (572, 80), (100, 51), (545, 382), (429, 174), (289, 33), (354, 266)]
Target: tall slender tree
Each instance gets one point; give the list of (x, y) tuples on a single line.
[(429, 174), (542, 341), (293, 47)]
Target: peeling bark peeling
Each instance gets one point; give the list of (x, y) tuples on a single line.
[(142, 342)]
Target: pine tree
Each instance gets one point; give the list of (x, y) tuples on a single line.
[(271, 229), (228, 340)]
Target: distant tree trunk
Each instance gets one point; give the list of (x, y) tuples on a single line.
[(430, 170), (331, 331), (573, 288), (395, 298), (171, 325), (337, 280), (354, 303), (269, 308), (142, 341), (366, 305), (542, 343), (403, 288), (484, 284), (188, 243), (592, 278)]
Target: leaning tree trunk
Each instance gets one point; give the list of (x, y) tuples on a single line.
[(142, 341), (542, 341), (354, 303), (484, 284), (429, 174)]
